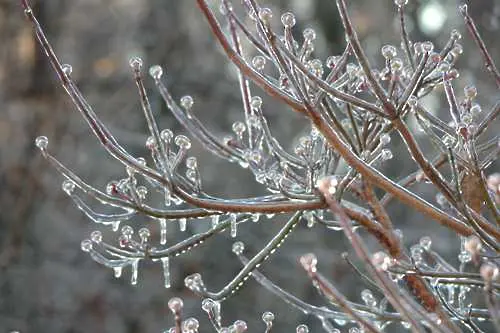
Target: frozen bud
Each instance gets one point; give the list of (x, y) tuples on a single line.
[(238, 128), (86, 245), (456, 35), (175, 304), (256, 102), (470, 91), (443, 67), (386, 154), (194, 282), (475, 110), (191, 162), (400, 3), (208, 305), (434, 58), (457, 50), (183, 142), (418, 48), (412, 101), (425, 242), (42, 142), (144, 233), (309, 34), (67, 69), (135, 63), (96, 236), (389, 51), (381, 261), (368, 299), (111, 187), (190, 325), (309, 262), (265, 14), (240, 326), (463, 9), (385, 139), (258, 62), (238, 248), (452, 74), (267, 318), (467, 118), (151, 143), (473, 245), (68, 186), (302, 328), (427, 46), (187, 102), (142, 191), (166, 135), (489, 272), (253, 121), (156, 72), (332, 61), (127, 230), (288, 19), (464, 257), (328, 185)]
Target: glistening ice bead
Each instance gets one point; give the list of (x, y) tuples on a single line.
[(67, 69), (156, 72), (42, 142), (135, 63), (288, 19)]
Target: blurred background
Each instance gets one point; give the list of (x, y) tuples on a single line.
[(47, 284)]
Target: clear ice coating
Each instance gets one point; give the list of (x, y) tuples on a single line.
[(354, 112)]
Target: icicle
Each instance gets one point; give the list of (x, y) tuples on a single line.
[(166, 271), (182, 224), (163, 231), (135, 269), (233, 225), (118, 271)]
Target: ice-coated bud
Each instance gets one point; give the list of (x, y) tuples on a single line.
[(389, 51), (475, 110), (258, 62), (386, 154), (135, 63), (68, 186), (208, 304), (400, 3), (238, 248), (156, 72), (425, 242), (183, 142), (302, 328), (412, 101), (127, 231), (166, 135), (473, 245), (309, 34), (67, 69), (288, 19), (489, 272), (268, 317), (238, 128), (194, 282), (385, 139), (265, 14), (42, 142), (144, 233), (464, 257), (457, 50), (328, 185), (225, 8), (456, 35), (175, 304), (187, 102), (368, 298), (151, 143), (470, 91), (190, 325), (86, 245), (240, 326), (309, 262), (381, 261), (428, 46), (191, 162), (256, 102), (96, 236)]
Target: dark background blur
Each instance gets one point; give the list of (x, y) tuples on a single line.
[(47, 284)]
